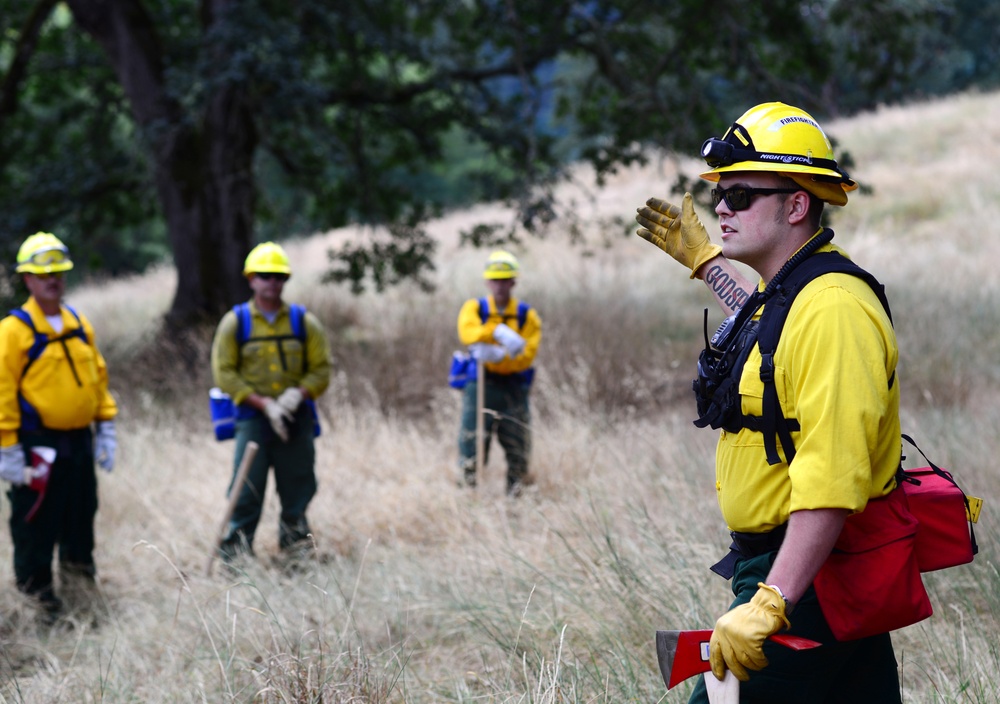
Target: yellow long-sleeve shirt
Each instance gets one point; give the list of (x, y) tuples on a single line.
[(67, 384), (269, 366), (472, 329)]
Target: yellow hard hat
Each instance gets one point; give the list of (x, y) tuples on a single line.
[(779, 138), (501, 265), (267, 258), (43, 253)]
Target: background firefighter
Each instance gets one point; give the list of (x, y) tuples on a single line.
[(272, 376), (506, 341), (53, 387)]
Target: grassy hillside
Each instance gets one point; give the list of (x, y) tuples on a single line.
[(422, 592)]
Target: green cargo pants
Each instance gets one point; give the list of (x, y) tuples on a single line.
[(294, 479), (854, 672), (505, 400)]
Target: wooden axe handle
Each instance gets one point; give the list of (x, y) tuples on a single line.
[(249, 453), (726, 691)]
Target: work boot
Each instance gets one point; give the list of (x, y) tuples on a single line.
[(50, 607), (294, 533), (40, 589), (468, 479), (234, 547), (517, 481), (83, 598)]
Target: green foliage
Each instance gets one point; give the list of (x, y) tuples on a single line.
[(372, 111)]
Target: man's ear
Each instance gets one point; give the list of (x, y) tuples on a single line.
[(798, 207)]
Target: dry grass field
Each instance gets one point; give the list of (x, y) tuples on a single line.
[(423, 592)]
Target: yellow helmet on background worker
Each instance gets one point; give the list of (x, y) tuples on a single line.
[(501, 265), (43, 253), (267, 258), (780, 138)]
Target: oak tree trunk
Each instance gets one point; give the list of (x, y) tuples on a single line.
[(202, 164)]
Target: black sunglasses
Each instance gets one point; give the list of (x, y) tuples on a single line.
[(738, 197), (268, 275)]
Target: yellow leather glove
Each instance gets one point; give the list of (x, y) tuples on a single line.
[(737, 642), (677, 231)]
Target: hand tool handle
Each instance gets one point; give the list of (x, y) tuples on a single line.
[(249, 453)]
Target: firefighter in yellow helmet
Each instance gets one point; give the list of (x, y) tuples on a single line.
[(273, 359), (810, 434), (503, 334), (56, 417)]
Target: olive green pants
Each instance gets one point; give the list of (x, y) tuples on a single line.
[(854, 672), (506, 409), (294, 479)]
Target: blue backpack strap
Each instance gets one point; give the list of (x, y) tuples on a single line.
[(522, 312), (297, 313), (30, 420), (41, 339), (528, 375), (243, 322), (79, 332)]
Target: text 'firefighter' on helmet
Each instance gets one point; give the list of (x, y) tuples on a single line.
[(779, 138)]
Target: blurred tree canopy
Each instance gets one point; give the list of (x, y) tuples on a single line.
[(140, 128)]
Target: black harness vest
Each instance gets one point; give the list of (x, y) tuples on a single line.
[(721, 363)]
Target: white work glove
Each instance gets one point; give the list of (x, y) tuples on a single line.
[(105, 445), (291, 398), (12, 464), (277, 416), (484, 352), (509, 339)]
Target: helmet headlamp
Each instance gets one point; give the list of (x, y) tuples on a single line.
[(736, 146)]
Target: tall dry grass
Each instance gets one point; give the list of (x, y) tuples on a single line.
[(422, 592)]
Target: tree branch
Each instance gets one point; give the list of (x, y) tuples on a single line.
[(25, 49)]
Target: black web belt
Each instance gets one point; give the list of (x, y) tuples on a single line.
[(747, 545)]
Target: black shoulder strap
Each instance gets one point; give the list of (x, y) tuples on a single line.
[(946, 475), (774, 423)]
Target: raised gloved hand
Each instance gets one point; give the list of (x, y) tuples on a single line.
[(105, 445), (12, 464), (677, 231), (291, 398), (513, 342), (485, 352), (737, 642), (277, 416)]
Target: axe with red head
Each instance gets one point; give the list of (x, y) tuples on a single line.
[(683, 654)]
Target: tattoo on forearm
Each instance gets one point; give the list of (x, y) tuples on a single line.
[(725, 287)]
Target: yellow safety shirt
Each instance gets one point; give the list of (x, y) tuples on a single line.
[(269, 366), (472, 329), (67, 384), (832, 370)]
